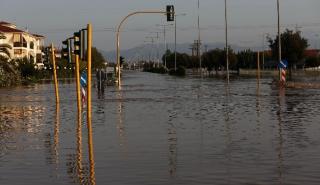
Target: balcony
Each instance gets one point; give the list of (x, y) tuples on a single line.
[(19, 44)]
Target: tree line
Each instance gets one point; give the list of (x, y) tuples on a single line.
[(293, 50)]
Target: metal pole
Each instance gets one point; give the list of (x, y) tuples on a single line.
[(55, 74), (279, 37), (78, 91), (263, 48), (165, 46), (227, 49), (89, 123), (199, 39), (258, 65), (118, 38), (175, 43)]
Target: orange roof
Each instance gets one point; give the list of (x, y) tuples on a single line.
[(8, 29), (2, 22), (312, 52)]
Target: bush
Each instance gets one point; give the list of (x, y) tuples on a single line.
[(181, 71)]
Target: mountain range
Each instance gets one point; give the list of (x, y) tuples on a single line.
[(154, 51)]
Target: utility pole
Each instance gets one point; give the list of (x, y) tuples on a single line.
[(227, 49), (279, 38), (199, 39), (175, 39), (175, 43)]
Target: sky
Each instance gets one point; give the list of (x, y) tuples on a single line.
[(248, 20)]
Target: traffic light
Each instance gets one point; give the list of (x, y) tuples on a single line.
[(121, 60), (79, 43), (66, 51), (46, 55), (170, 13)]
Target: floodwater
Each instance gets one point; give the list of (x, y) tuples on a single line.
[(161, 130)]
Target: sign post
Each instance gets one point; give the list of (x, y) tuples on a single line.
[(53, 57)]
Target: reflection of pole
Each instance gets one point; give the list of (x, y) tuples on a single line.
[(56, 134), (89, 125), (281, 102), (79, 149), (53, 57), (227, 49), (172, 140), (118, 39)]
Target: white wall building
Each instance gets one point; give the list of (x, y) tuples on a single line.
[(23, 44)]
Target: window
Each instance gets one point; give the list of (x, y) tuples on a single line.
[(31, 45)]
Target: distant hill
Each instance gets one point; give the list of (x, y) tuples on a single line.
[(148, 50)]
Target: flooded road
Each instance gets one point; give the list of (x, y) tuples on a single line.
[(162, 130)]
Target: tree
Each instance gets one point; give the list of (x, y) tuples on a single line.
[(216, 59), (293, 46), (212, 59), (4, 48), (246, 59), (97, 59), (26, 67)]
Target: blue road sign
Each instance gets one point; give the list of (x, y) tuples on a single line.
[(283, 64), (83, 79)]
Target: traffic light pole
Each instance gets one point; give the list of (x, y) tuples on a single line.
[(118, 39), (77, 71), (89, 115)]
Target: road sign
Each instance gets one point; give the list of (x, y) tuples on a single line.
[(283, 64)]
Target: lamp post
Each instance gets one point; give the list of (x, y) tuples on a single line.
[(175, 39)]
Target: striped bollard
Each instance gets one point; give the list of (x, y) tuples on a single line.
[(283, 75)]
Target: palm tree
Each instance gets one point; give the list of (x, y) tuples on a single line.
[(4, 48)]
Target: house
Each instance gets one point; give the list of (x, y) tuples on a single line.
[(312, 53), (21, 43)]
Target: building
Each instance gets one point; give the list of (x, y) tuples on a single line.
[(21, 43)]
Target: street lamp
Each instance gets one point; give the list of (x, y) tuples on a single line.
[(175, 39), (165, 42)]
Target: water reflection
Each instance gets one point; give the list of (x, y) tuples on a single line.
[(56, 135), (228, 135), (120, 125), (281, 105), (172, 140), (79, 171), (79, 151)]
